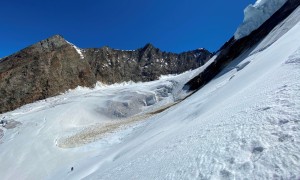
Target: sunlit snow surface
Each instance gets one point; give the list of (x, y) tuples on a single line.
[(255, 15), (43, 142), (243, 124)]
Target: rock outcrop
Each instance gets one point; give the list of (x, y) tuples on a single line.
[(54, 65), (144, 64)]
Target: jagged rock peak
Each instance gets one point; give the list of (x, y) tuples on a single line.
[(149, 46), (199, 50), (57, 40), (107, 48), (51, 43), (56, 37)]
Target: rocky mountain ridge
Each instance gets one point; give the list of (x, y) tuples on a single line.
[(54, 65)]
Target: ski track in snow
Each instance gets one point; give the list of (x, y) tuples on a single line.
[(1, 134)]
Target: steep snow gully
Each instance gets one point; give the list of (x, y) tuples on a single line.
[(244, 124)]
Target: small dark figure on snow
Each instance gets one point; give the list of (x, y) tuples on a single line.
[(72, 168)]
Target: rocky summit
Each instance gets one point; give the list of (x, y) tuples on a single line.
[(54, 65)]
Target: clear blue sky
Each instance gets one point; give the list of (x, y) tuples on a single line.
[(171, 25)]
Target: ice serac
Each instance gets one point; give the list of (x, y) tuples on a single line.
[(54, 65), (255, 15), (234, 48)]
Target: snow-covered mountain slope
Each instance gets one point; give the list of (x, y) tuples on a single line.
[(54, 134), (243, 124)]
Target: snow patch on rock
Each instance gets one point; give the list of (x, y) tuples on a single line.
[(79, 51), (255, 15)]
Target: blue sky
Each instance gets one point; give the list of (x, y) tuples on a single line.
[(171, 25)]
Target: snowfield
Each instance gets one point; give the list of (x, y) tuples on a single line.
[(244, 124), (53, 134)]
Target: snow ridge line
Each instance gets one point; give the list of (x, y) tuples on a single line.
[(78, 50)]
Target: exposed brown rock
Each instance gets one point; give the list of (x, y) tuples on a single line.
[(42, 70)]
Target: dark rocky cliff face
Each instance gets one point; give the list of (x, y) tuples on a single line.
[(233, 48), (53, 66), (145, 64)]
